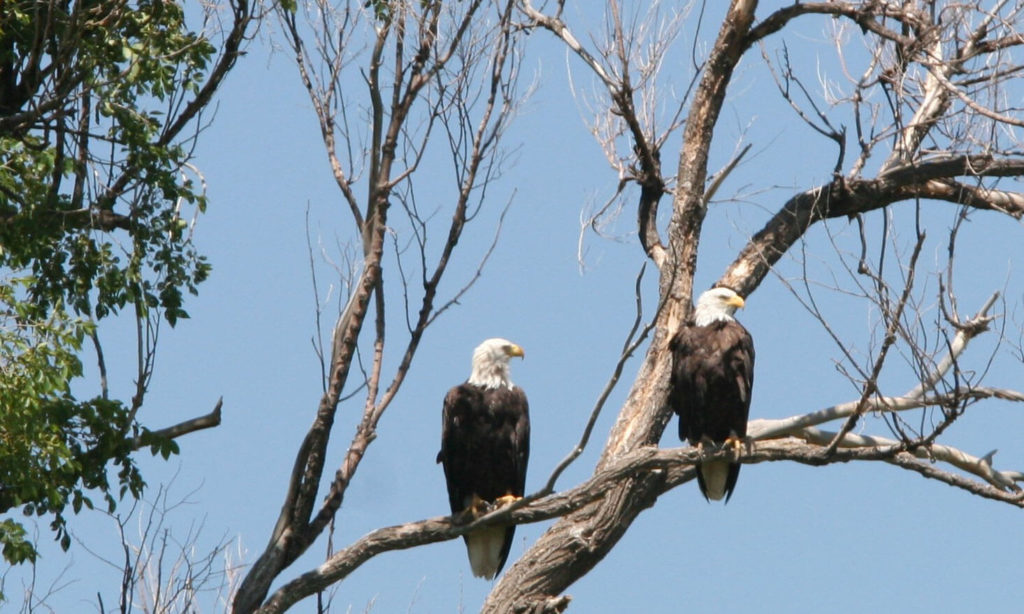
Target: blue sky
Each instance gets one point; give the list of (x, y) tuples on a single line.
[(844, 538)]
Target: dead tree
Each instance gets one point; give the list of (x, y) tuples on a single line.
[(942, 70), (929, 123)]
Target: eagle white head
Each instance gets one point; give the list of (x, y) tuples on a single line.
[(490, 363), (717, 304)]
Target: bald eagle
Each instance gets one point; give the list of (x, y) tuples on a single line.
[(485, 444), (711, 381)]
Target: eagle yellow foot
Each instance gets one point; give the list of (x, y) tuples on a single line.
[(506, 500), (739, 444), (477, 507)]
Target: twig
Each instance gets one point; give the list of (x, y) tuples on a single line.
[(871, 385), (966, 332), (631, 344)]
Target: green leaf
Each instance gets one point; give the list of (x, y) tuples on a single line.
[(73, 254)]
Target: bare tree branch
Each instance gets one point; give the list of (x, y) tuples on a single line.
[(847, 198), (192, 425), (668, 467)]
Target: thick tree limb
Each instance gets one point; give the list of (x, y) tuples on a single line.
[(662, 469), (102, 219), (850, 197), (867, 15)]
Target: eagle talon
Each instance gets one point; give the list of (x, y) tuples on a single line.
[(736, 443), (505, 500), (477, 507), (704, 447)]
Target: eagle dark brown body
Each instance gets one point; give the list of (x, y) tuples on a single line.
[(712, 378)]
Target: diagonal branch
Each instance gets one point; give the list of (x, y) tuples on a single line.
[(192, 425), (633, 340), (850, 197), (894, 316), (321, 99), (620, 92), (764, 429)]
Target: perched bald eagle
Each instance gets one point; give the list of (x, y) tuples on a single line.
[(712, 377), (485, 443)]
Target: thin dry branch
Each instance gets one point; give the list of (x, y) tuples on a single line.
[(915, 398), (966, 331), (622, 106), (764, 429), (633, 341), (321, 97), (893, 315), (979, 466), (924, 394)]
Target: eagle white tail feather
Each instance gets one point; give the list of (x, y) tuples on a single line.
[(484, 547), (716, 474)]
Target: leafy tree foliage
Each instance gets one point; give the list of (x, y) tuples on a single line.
[(99, 107)]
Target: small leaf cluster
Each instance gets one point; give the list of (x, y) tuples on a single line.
[(55, 448)]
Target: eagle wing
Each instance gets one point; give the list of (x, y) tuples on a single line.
[(485, 443), (485, 447), (711, 381)]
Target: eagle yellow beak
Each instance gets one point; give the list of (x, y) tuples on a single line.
[(514, 350), (736, 301)]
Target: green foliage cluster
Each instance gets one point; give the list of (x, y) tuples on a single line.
[(94, 98)]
